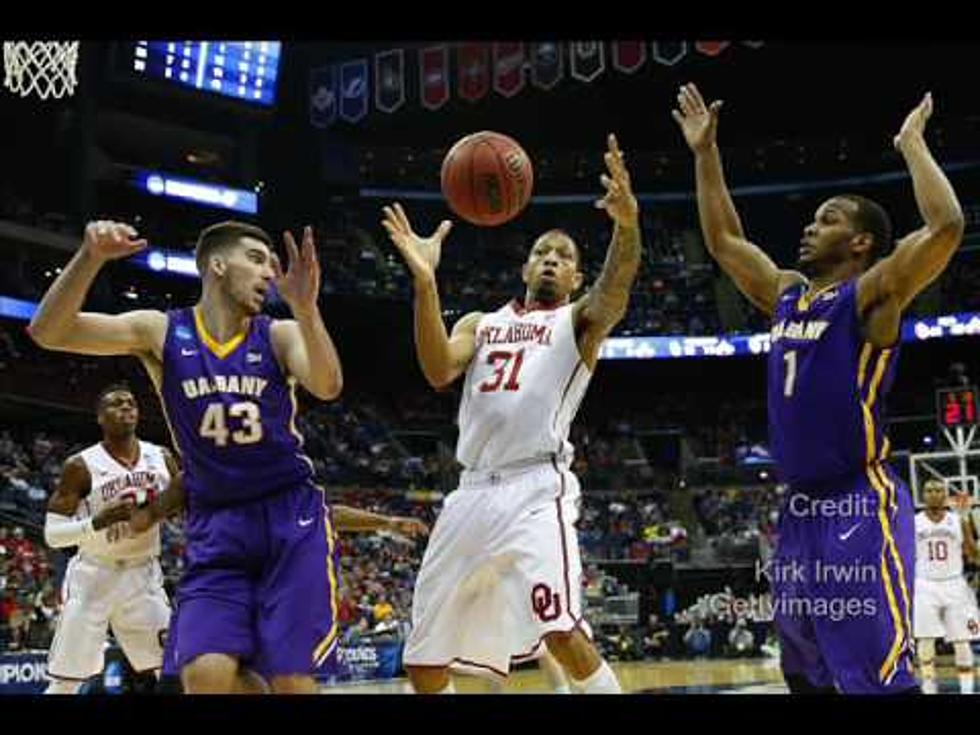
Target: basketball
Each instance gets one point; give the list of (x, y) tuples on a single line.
[(487, 178)]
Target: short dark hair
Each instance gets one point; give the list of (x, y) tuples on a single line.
[(564, 233), (112, 388), (872, 218), (223, 234)]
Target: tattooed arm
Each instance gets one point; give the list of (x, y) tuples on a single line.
[(605, 304)]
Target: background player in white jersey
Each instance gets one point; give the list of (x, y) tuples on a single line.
[(115, 577), (501, 573), (944, 605)]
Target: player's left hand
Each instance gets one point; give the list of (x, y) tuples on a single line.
[(299, 287), (619, 202), (408, 526), (915, 123)]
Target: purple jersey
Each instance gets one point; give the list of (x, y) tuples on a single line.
[(231, 410), (827, 385)]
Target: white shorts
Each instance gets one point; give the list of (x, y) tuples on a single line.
[(501, 570), (95, 595), (945, 609)]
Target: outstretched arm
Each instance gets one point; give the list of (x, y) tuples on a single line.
[(349, 519), (753, 272), (441, 357), (305, 346), (921, 256), (59, 323), (605, 304)]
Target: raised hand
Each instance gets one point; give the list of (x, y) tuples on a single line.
[(915, 122), (421, 254), (698, 122), (619, 202), (299, 287), (107, 240)]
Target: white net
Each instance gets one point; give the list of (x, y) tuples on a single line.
[(45, 68)]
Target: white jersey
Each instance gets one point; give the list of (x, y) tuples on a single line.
[(938, 547), (522, 390), (112, 482)]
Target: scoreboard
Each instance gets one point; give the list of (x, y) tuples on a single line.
[(245, 70)]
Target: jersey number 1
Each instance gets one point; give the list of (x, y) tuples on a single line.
[(214, 426), (790, 382)]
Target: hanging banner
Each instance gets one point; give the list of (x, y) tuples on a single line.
[(323, 96), (508, 67), (434, 76), (546, 64), (669, 52), (473, 70), (389, 80), (628, 56), (354, 90), (588, 60), (711, 48)]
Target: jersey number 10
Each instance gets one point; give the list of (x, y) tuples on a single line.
[(215, 427)]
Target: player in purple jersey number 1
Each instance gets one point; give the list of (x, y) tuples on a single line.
[(235, 574), (837, 320)]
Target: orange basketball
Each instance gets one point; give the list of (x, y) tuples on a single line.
[(487, 178)]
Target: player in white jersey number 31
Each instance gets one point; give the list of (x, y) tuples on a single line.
[(501, 575)]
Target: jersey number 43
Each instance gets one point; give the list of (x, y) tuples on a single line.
[(214, 423)]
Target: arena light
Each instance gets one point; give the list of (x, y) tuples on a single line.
[(198, 192)]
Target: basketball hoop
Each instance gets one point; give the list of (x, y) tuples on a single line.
[(46, 68)]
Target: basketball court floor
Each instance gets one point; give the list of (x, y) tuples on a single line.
[(748, 676)]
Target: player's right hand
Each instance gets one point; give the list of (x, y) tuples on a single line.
[(108, 240), (142, 520), (112, 514), (698, 122), (421, 254)]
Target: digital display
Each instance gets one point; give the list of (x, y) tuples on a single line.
[(199, 192), (957, 407), (245, 70)]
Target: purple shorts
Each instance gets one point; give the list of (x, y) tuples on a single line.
[(842, 579), (260, 585)]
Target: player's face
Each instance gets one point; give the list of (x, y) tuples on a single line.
[(828, 240), (119, 413), (552, 268), (248, 274), (934, 495)]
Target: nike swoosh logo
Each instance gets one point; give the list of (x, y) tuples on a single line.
[(847, 534), (188, 353), (304, 522)]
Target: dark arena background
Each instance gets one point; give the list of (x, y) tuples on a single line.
[(679, 503)]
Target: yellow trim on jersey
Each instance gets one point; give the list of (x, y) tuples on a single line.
[(866, 404), (221, 350), (806, 299), (863, 364), (906, 597), (324, 647), (890, 664)]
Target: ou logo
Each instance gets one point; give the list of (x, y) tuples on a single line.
[(545, 602)]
